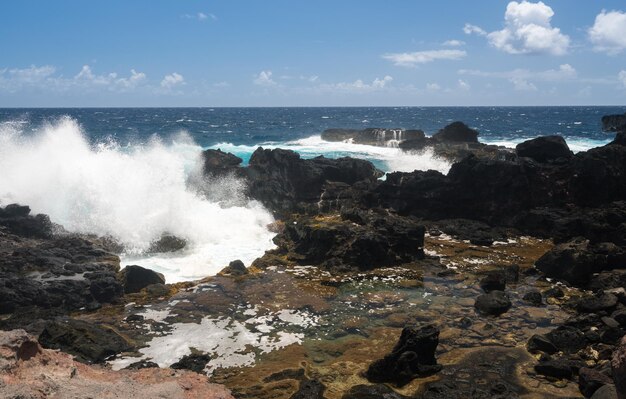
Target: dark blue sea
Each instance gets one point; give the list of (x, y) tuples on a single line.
[(134, 173)]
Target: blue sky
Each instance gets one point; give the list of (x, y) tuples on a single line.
[(312, 53)]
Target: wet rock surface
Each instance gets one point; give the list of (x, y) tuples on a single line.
[(135, 278)]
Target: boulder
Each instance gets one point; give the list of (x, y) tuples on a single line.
[(235, 268), (606, 392), (135, 278), (88, 342), (17, 219), (573, 261), (597, 303), (195, 362), (614, 123), (494, 281), (456, 132), (413, 355), (590, 380), (540, 343), (556, 368), (567, 339), (545, 149), (218, 163), (334, 243), (167, 243), (494, 303)]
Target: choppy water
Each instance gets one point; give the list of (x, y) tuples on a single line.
[(132, 173)]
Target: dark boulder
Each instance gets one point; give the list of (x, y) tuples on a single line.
[(574, 261), (135, 278), (219, 163), (607, 392), (235, 268), (620, 138), (142, 364), (597, 303), (286, 183), (567, 339), (309, 389), (545, 149), (590, 380), (195, 362), (104, 286), (494, 281), (494, 303), (17, 219), (456, 132), (614, 123), (540, 343), (334, 243), (167, 243), (556, 368), (90, 343), (413, 355)]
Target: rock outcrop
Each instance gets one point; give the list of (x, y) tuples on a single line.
[(413, 355), (614, 123)]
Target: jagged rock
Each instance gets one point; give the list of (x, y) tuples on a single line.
[(17, 219), (285, 183), (613, 123), (135, 278), (309, 389), (545, 149), (219, 163), (413, 355), (457, 132), (337, 244), (195, 362), (494, 303), (90, 343), (142, 364)]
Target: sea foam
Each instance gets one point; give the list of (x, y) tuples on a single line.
[(134, 194)]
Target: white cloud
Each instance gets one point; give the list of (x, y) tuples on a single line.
[(172, 80), (200, 16), (453, 43), (264, 78), (564, 72), (433, 87), (423, 57), (473, 29), (86, 78), (527, 30), (622, 77), (522, 84), (357, 86), (32, 74), (221, 84), (463, 85), (608, 33)]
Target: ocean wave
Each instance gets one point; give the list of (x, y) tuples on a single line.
[(575, 144), (135, 194), (388, 159)]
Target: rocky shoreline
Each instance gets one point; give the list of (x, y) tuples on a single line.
[(391, 287)]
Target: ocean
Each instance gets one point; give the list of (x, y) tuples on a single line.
[(133, 173)]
